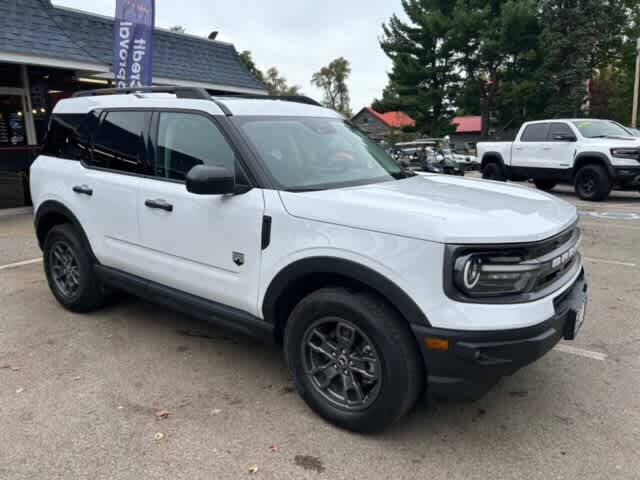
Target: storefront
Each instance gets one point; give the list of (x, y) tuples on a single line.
[(47, 53)]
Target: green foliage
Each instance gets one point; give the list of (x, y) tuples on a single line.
[(276, 84), (332, 80), (510, 60)]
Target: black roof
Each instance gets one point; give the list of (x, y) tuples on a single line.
[(37, 27)]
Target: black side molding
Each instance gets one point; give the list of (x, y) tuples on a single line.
[(226, 317), (266, 232)]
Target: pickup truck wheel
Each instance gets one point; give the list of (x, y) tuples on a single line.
[(592, 183), (493, 171), (69, 270), (545, 185), (353, 359)]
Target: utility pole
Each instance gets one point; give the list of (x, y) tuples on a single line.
[(634, 119)]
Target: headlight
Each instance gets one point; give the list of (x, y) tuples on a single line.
[(493, 274), (511, 273), (633, 153)]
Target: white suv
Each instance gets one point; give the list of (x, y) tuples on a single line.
[(277, 218)]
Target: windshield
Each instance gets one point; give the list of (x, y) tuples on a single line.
[(600, 129), (306, 153)]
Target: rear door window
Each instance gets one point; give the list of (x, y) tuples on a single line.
[(119, 142), (536, 132), (559, 129)]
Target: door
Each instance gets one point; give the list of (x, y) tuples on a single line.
[(205, 245), (559, 149), (528, 149), (15, 152), (109, 187)]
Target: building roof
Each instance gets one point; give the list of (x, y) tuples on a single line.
[(468, 124), (36, 27), (393, 119)]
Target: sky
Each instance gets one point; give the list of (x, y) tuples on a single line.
[(297, 36)]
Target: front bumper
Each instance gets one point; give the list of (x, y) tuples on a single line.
[(627, 177), (476, 360)]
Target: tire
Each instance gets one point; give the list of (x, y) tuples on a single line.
[(366, 320), (69, 269), (592, 183), (545, 185), (493, 171)]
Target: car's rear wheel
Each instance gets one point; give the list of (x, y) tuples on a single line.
[(592, 183), (353, 359), (493, 171), (69, 270), (545, 185)]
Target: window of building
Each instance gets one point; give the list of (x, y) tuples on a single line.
[(186, 140), (536, 132), (119, 142)]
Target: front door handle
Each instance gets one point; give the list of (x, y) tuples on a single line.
[(159, 204), (83, 190)]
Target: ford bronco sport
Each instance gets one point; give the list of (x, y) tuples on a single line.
[(277, 218)]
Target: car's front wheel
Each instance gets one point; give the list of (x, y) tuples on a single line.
[(69, 270), (353, 359), (592, 183)]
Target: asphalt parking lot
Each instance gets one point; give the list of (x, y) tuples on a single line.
[(80, 394)]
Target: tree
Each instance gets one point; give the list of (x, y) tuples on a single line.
[(332, 80), (579, 37), (178, 29), (276, 84), (423, 78), (496, 45), (247, 59)]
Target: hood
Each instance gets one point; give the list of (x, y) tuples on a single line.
[(612, 142), (439, 208)]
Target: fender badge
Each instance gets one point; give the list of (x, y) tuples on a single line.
[(238, 258)]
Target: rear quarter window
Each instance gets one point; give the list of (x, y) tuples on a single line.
[(68, 136)]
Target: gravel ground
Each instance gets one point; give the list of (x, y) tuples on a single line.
[(79, 394)]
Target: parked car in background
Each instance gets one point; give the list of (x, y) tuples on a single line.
[(594, 155)]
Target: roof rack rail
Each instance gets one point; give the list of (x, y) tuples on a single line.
[(284, 98), (180, 92)]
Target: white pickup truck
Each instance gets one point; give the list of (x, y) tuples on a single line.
[(595, 156)]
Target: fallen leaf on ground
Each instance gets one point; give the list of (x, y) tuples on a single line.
[(15, 369), (253, 469), (216, 411), (158, 436), (275, 448), (75, 379), (161, 414), (20, 390)]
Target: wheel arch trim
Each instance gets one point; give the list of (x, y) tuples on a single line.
[(54, 207), (377, 282), (584, 158)]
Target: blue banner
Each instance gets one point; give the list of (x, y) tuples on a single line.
[(132, 43)]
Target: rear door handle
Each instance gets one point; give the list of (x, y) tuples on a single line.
[(83, 190), (546, 148), (159, 204)]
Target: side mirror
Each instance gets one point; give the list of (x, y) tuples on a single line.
[(209, 180), (561, 137)]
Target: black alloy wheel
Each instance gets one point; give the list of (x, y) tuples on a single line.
[(65, 269), (592, 183), (353, 358), (342, 363), (68, 264)]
